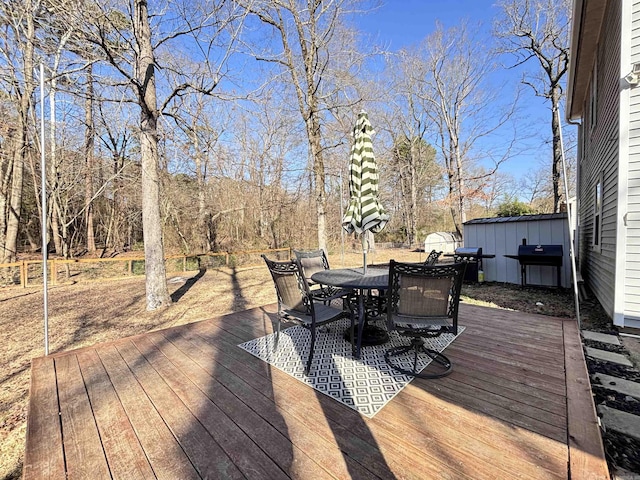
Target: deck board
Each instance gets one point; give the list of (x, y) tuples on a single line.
[(121, 445), (46, 458), (585, 448), (161, 447), (83, 450), (186, 402)]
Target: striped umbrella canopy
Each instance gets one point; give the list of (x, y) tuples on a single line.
[(364, 213)]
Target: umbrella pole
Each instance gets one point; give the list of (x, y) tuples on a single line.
[(364, 251)]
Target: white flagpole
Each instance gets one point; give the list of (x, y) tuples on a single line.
[(43, 197), (569, 215)]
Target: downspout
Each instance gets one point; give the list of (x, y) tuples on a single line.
[(569, 214)]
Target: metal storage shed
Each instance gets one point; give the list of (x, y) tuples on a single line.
[(503, 235)]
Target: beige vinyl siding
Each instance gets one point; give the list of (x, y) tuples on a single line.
[(632, 260), (635, 32), (600, 160)]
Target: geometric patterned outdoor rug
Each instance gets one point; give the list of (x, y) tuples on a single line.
[(366, 385)]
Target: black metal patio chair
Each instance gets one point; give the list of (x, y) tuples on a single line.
[(296, 303), (313, 261), (422, 302), (432, 258)]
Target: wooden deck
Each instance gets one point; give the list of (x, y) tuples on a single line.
[(188, 403)]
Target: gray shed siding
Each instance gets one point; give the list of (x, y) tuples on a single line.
[(501, 236), (600, 157), (632, 260)]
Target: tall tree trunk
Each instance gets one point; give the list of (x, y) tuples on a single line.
[(540, 31), (457, 186), (557, 148), (21, 148), (461, 192), (313, 130), (89, 138), (414, 157), (404, 202), (202, 228), (156, 281), (6, 168), (203, 214), (15, 197), (54, 214)]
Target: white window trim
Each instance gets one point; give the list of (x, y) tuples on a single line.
[(598, 191)]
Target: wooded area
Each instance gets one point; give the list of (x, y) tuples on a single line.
[(213, 125)]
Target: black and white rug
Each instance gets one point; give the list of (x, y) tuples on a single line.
[(366, 385)]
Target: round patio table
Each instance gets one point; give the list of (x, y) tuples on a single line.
[(361, 283)]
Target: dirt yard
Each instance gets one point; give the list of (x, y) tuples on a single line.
[(85, 314)]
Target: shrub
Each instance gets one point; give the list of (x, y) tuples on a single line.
[(514, 208)]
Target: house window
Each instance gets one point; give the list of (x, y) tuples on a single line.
[(597, 215), (593, 98)]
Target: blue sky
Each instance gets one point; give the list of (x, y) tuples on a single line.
[(402, 23), (406, 22)]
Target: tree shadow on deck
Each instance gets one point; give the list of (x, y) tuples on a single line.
[(257, 437), (251, 436), (346, 447), (492, 413)]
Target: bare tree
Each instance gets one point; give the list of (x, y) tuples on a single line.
[(89, 143), (117, 139), (145, 84), (136, 49), (412, 166), (317, 54), (450, 74), (501, 185), (58, 208), (414, 169), (536, 188), (195, 139), (266, 134), (539, 30), (17, 50)]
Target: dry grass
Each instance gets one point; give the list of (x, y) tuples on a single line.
[(85, 314)]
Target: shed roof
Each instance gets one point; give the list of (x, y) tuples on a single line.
[(449, 236), (519, 218)]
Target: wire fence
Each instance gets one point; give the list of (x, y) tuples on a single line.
[(28, 273)]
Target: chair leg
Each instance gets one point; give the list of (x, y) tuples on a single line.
[(313, 344), (442, 365), (275, 343), (352, 331), (445, 366)]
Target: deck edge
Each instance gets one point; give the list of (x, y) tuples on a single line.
[(586, 450), (43, 422)]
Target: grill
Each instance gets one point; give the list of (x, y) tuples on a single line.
[(540, 255), (473, 257)]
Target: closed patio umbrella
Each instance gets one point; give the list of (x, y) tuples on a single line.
[(364, 213)]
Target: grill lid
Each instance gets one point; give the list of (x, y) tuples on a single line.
[(540, 250), (469, 251), (540, 255)]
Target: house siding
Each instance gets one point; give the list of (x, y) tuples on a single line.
[(632, 232), (600, 160)]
